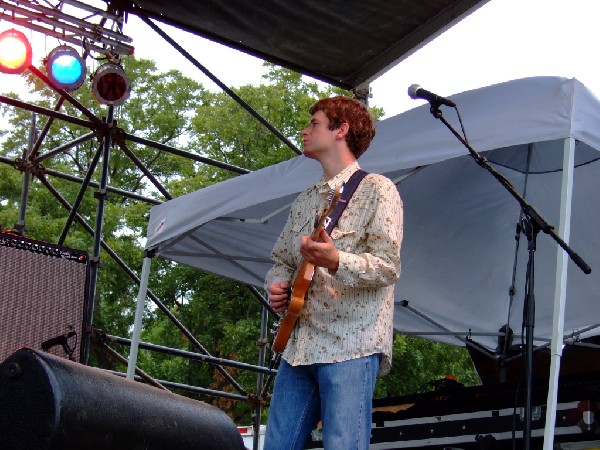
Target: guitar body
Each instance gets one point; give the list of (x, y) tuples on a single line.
[(299, 290), (301, 283)]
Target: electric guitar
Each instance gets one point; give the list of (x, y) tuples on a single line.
[(302, 281)]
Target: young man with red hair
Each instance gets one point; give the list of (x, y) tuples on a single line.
[(343, 337)]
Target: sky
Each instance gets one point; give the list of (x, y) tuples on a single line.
[(501, 41)]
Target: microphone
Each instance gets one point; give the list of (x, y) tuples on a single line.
[(415, 91)]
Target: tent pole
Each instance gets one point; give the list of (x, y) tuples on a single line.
[(139, 314), (560, 290)]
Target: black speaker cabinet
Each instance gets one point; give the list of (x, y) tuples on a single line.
[(50, 403), (43, 297)]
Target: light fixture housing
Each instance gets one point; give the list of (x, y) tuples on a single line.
[(15, 52), (66, 68), (110, 85)]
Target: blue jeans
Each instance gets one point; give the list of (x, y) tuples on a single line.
[(339, 394)]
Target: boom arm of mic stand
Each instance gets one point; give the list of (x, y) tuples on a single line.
[(528, 210)]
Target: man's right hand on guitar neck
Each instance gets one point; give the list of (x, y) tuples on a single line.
[(279, 296)]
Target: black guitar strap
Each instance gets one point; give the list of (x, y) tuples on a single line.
[(345, 197)]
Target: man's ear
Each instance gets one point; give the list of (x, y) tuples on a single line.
[(343, 129)]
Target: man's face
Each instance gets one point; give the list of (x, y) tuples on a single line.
[(317, 137)]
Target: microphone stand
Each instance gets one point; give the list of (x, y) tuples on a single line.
[(531, 225)]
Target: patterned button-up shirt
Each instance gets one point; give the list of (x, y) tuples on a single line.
[(348, 314)]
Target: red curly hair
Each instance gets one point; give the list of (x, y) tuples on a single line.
[(360, 121)]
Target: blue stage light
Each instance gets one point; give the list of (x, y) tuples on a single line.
[(66, 69)]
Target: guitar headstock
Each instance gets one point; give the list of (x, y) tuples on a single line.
[(332, 199)]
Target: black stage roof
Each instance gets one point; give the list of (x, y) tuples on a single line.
[(347, 43)]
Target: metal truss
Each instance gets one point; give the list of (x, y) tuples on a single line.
[(53, 21), (76, 28)]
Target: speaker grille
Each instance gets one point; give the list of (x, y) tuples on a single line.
[(42, 296)]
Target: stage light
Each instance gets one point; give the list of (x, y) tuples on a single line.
[(66, 69), (110, 85), (15, 52)]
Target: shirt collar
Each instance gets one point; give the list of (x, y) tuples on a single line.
[(342, 177)]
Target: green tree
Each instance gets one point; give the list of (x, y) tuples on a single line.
[(417, 362), (226, 132), (221, 314)]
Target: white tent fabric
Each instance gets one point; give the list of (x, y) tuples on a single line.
[(459, 254)]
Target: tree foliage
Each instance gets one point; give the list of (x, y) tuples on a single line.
[(223, 315)]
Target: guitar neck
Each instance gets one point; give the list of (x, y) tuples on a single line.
[(335, 195), (317, 231)]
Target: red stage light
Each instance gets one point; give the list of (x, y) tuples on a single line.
[(110, 85), (15, 52)]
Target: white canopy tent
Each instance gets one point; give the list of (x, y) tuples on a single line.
[(459, 256)]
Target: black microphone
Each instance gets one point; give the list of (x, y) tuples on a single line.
[(415, 91), (58, 340)]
